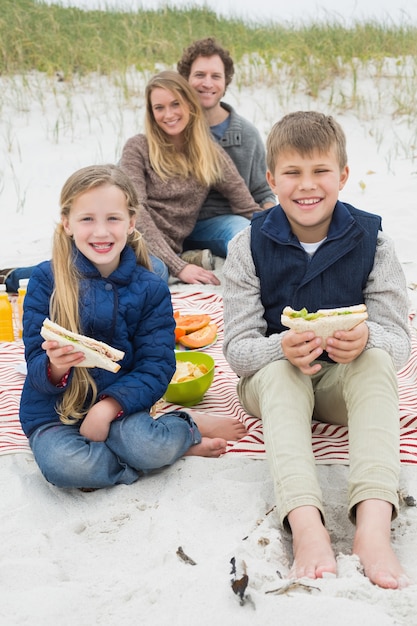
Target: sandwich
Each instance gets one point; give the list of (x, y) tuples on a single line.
[(324, 322), (97, 353)]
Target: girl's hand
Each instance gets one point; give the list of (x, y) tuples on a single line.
[(301, 349), (194, 274), (346, 345), (61, 359), (96, 424)]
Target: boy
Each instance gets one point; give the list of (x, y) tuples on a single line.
[(313, 251)]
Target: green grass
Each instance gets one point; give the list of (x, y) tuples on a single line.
[(37, 36)]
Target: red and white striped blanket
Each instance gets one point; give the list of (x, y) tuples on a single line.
[(330, 443)]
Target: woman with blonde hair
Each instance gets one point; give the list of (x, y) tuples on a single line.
[(173, 166), (91, 428)]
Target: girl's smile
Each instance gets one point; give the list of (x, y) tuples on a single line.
[(99, 223)]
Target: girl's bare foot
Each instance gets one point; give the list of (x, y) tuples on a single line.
[(217, 426), (312, 550), (208, 447), (372, 544)]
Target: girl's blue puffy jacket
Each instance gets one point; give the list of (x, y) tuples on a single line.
[(130, 310)]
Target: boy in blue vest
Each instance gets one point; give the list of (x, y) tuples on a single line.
[(314, 251)]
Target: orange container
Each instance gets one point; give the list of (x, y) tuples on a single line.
[(21, 292), (6, 316)]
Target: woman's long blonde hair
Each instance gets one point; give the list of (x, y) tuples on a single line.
[(200, 156), (64, 305)]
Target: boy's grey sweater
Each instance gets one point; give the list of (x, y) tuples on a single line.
[(244, 145), (245, 345)]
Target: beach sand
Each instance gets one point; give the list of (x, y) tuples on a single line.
[(112, 556)]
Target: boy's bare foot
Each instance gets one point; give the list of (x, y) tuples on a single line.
[(372, 544), (312, 550), (208, 447), (217, 426)]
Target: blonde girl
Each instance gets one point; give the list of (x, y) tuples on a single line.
[(92, 428)]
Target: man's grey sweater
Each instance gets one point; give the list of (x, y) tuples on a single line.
[(243, 143)]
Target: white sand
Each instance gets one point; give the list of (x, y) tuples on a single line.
[(109, 557)]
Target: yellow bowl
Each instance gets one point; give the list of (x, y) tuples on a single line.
[(191, 392)]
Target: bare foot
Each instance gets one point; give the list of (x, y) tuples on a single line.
[(372, 544), (208, 447), (312, 550), (217, 426)]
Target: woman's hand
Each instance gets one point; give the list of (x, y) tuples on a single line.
[(96, 424), (61, 359), (194, 274)]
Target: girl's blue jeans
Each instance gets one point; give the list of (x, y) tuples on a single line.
[(136, 444)]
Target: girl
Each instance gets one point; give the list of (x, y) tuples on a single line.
[(92, 428), (173, 167)]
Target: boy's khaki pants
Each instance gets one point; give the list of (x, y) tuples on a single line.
[(362, 395)]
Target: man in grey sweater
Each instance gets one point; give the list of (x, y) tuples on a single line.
[(208, 67)]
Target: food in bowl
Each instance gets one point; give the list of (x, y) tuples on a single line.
[(188, 371), (191, 392)]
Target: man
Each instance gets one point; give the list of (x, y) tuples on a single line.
[(209, 68)]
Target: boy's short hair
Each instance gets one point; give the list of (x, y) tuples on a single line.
[(304, 132), (207, 47)]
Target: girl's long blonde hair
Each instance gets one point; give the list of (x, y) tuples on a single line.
[(200, 156), (64, 305)]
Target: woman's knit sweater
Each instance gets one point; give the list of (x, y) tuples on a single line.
[(170, 208)]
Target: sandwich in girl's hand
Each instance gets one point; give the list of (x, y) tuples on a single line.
[(324, 322), (97, 353)]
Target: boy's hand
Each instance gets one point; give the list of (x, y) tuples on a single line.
[(346, 345), (61, 359), (301, 349), (96, 424)]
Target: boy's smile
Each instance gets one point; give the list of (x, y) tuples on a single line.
[(308, 188)]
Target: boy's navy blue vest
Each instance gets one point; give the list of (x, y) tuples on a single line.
[(334, 276)]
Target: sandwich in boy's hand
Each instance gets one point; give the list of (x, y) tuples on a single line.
[(324, 322), (97, 353)]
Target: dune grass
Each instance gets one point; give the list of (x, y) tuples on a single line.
[(50, 38), (325, 61)]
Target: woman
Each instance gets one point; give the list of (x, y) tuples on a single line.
[(173, 166)]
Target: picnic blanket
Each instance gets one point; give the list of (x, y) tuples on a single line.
[(330, 443)]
